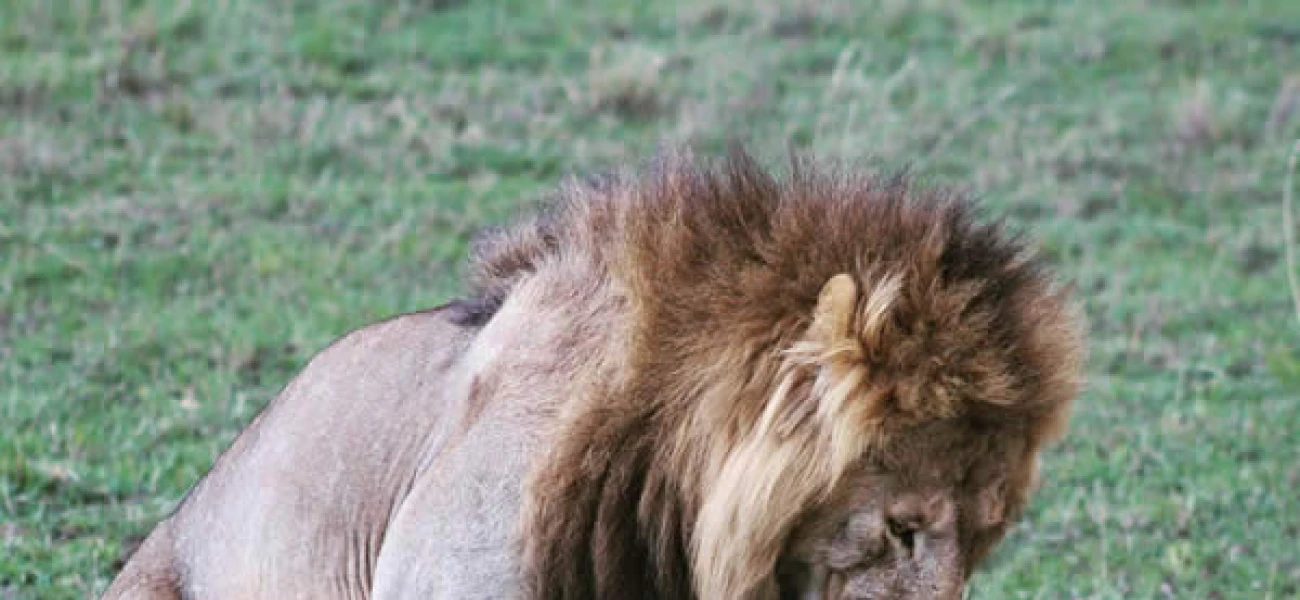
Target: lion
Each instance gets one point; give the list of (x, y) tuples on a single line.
[(692, 380)]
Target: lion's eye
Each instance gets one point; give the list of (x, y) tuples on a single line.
[(904, 532)]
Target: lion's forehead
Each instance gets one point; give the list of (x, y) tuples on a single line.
[(952, 453)]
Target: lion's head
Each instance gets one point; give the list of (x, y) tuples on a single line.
[(832, 385)]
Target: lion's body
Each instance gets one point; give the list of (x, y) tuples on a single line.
[(391, 467), (638, 399), (311, 497)]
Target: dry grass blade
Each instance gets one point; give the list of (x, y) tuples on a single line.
[(1288, 228)]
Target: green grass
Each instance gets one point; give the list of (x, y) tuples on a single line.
[(195, 197)]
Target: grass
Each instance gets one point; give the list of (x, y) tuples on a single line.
[(195, 197)]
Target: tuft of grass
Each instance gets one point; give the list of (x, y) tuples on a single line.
[(628, 83), (195, 198)]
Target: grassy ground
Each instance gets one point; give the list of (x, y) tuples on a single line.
[(195, 197)]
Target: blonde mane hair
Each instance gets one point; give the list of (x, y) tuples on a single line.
[(776, 334)]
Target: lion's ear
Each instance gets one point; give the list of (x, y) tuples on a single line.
[(832, 326), (833, 317)]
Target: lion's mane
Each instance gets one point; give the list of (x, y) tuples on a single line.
[(683, 475)]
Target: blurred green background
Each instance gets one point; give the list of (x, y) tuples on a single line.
[(197, 196)]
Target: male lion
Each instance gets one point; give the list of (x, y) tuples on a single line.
[(696, 382)]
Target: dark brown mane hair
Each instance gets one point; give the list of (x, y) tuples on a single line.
[(719, 267)]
